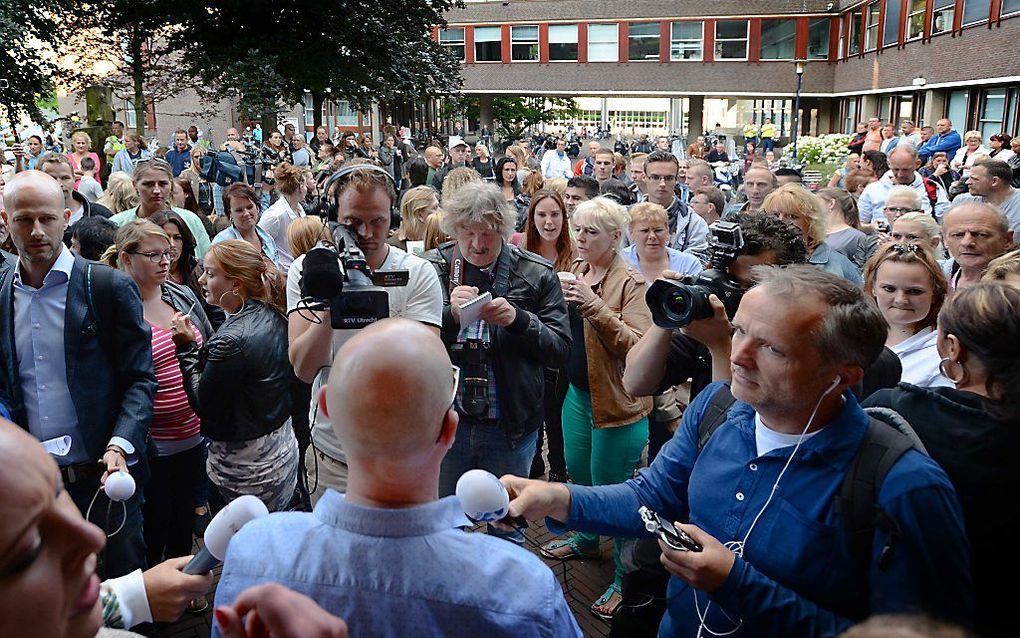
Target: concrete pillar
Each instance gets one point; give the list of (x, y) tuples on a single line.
[(485, 111), (695, 115), (869, 108), (934, 107), (826, 109), (605, 111), (676, 115), (376, 123)]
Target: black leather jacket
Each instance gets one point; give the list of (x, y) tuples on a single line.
[(538, 338), (239, 382)]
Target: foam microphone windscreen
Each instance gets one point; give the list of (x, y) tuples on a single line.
[(320, 274), (482, 496), (222, 528)]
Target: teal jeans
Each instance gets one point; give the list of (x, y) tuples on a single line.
[(599, 456)]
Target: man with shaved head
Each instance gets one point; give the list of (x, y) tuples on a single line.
[(75, 359), (389, 555)]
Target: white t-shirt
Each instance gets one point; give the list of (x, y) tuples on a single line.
[(766, 439), (275, 221), (90, 188), (920, 359), (421, 300)]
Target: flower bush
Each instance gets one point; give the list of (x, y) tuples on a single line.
[(825, 149)]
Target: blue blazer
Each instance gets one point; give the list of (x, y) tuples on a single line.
[(112, 392)]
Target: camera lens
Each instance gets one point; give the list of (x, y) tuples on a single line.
[(674, 304)]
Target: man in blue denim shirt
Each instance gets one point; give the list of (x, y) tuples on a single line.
[(388, 557), (760, 496)]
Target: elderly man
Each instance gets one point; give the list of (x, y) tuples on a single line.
[(945, 141), (758, 182), (903, 164), (975, 234), (434, 158), (754, 481), (991, 181), (873, 138), (506, 346), (75, 358), (387, 556)]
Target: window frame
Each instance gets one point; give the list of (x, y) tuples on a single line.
[(673, 39), (745, 40), (529, 43), (911, 12), (631, 37), (1005, 14), (949, 9), (893, 14), (828, 37), (761, 40), (451, 44), (575, 43), (615, 28), (499, 41), (985, 18), (870, 28), (856, 16)]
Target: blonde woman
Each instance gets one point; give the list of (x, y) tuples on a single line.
[(434, 233), (239, 381), (795, 205), (604, 428), (457, 178), (82, 144), (304, 233), (120, 194), (483, 163), (135, 151), (291, 186), (972, 149), (415, 207), (1004, 269)]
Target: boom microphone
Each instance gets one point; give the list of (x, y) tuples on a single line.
[(221, 529), (321, 278)]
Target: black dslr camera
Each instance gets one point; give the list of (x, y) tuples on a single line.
[(674, 304), (337, 276)]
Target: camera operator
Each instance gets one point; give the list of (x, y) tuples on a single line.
[(664, 358), (363, 198), (503, 355)]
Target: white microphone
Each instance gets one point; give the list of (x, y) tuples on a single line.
[(484, 499), (120, 486), (221, 529)]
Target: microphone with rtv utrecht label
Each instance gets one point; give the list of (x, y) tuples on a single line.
[(484, 499), (221, 529)]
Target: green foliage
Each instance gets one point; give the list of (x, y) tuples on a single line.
[(512, 115), (27, 76)]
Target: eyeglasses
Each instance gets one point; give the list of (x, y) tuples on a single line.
[(155, 257), (660, 178), (899, 210)]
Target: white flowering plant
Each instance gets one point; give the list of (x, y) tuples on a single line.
[(830, 149)]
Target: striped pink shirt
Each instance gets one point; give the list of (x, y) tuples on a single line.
[(172, 416)]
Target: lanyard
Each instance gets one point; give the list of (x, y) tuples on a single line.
[(500, 285)]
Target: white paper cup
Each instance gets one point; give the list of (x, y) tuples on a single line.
[(566, 276)]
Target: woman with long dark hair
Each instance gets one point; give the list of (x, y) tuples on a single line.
[(239, 381)]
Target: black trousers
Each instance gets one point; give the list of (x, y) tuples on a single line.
[(552, 404), (125, 552), (170, 503)]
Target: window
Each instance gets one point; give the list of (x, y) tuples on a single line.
[(129, 111), (942, 16), (488, 44), (818, 39), (992, 115), (309, 104), (563, 42), (915, 19), (956, 109), (1010, 6), (891, 36), (731, 40), (854, 41), (778, 39), (603, 43), (686, 40), (975, 11), (871, 30), (1011, 112), (453, 41), (524, 44), (644, 41), (345, 115)]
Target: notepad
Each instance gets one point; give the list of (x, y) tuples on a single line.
[(470, 310)]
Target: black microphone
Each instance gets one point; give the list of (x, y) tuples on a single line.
[(320, 277)]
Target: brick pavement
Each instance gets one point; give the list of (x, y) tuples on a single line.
[(583, 582)]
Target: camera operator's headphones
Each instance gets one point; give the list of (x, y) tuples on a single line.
[(329, 204)]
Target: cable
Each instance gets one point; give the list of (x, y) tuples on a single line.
[(737, 547)]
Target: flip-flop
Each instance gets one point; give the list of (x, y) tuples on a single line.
[(604, 600), (575, 550)]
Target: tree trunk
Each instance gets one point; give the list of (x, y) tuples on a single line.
[(318, 98), (269, 124), (138, 78)]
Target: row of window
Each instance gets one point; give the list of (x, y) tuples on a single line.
[(942, 19), (686, 41)]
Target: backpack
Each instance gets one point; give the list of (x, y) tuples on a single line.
[(887, 438), (221, 168)]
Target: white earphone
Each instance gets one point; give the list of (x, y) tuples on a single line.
[(835, 382)]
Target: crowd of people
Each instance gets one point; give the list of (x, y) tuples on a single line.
[(829, 428)]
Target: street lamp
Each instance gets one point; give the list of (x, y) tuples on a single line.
[(799, 67)]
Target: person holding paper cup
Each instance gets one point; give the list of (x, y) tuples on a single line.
[(604, 428), (144, 251), (503, 355)]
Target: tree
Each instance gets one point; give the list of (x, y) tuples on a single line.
[(270, 54), (132, 46), (26, 74), (512, 115)]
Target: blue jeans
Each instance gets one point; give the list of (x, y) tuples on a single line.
[(125, 552), (484, 446), (217, 191)]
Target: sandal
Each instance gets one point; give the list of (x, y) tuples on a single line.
[(607, 603), (555, 550)]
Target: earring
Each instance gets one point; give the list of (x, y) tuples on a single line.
[(944, 364)]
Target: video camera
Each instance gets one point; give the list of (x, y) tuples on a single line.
[(675, 304), (337, 276)]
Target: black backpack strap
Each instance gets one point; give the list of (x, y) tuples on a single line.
[(102, 304), (882, 447), (715, 414)]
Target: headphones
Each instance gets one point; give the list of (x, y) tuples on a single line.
[(329, 204), (835, 382)]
